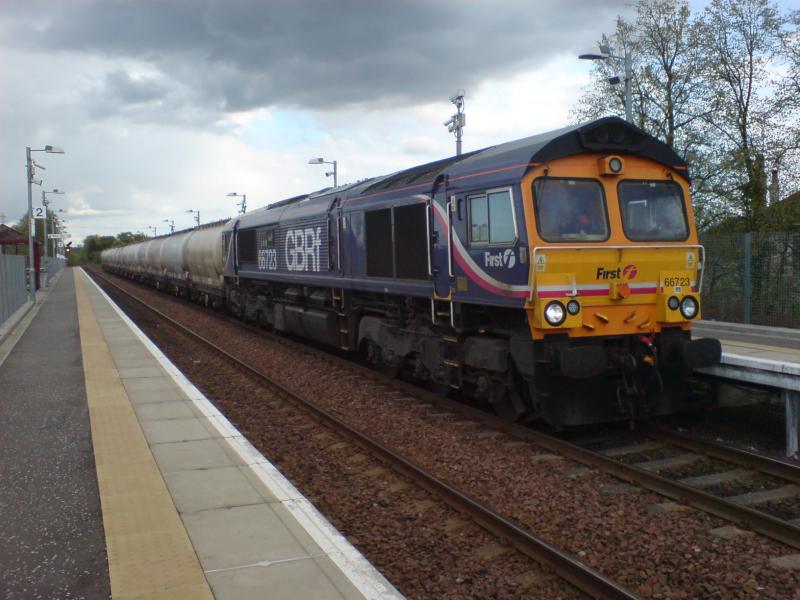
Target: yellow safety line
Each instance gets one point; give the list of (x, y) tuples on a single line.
[(149, 552)]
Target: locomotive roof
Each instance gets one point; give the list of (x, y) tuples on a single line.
[(607, 135)]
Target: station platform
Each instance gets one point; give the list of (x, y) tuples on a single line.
[(756, 354), (128, 482)]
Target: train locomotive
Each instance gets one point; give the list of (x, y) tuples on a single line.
[(552, 277)]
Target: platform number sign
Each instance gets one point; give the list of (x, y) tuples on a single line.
[(39, 212)]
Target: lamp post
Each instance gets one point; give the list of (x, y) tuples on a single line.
[(458, 121), (243, 203), (196, 215), (55, 241), (31, 170), (45, 203), (171, 224), (153, 227), (626, 59), (322, 161)]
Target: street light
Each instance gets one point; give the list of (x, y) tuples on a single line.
[(171, 224), (243, 203), (458, 121), (31, 170), (196, 216), (626, 59), (153, 227), (322, 161), (45, 203)]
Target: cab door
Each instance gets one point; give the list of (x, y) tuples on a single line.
[(441, 249)]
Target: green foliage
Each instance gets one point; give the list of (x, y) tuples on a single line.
[(721, 88), (93, 246)]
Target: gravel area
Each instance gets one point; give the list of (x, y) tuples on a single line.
[(655, 554), (788, 509), (705, 466), (755, 483), (424, 547)]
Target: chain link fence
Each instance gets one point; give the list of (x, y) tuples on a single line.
[(752, 278), (13, 285)]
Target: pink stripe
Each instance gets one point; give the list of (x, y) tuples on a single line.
[(485, 284), (473, 275), (562, 293)]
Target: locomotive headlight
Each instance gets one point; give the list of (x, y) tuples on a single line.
[(673, 303), (555, 313), (573, 307), (689, 307), (615, 165)]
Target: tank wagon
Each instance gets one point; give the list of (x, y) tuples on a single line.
[(555, 276), (187, 263)]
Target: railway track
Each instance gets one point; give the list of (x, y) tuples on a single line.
[(720, 466), (566, 566), (740, 515)]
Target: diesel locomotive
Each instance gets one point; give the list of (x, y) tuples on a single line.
[(552, 277)]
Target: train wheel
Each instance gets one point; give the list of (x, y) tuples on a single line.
[(509, 405)]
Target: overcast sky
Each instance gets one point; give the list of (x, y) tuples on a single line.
[(167, 105)]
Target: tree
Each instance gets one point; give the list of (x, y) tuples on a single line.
[(94, 245), (666, 87), (126, 237), (741, 41), (706, 86)]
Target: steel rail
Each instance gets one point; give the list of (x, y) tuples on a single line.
[(765, 524), (566, 566), (743, 458)]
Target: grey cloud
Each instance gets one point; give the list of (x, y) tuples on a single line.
[(130, 90), (232, 56)]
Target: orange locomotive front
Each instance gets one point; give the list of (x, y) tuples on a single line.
[(616, 275)]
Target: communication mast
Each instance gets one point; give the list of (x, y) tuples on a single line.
[(456, 123)]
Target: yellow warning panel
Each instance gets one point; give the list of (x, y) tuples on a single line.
[(149, 552)]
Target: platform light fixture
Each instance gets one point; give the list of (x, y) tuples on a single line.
[(322, 161), (196, 215), (46, 203), (606, 54), (243, 203), (31, 172)]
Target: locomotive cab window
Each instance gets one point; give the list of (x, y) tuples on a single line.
[(653, 211), (570, 210), (491, 218)]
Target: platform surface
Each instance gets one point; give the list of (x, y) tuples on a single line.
[(51, 530), (189, 508), (772, 338)]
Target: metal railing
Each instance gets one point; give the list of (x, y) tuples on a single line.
[(13, 285), (50, 268)]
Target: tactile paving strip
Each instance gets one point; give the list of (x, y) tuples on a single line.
[(149, 552)]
